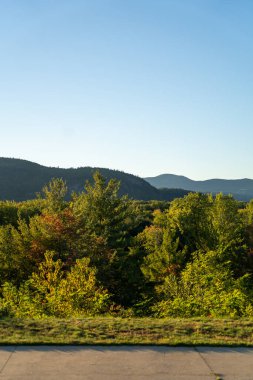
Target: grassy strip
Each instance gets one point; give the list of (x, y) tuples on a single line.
[(127, 331)]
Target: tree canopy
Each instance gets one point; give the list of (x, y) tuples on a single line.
[(104, 253)]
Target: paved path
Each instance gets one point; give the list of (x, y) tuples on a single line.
[(125, 363)]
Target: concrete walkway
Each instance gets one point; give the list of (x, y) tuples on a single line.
[(125, 363)]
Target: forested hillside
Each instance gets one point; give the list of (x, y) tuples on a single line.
[(20, 180), (103, 254)]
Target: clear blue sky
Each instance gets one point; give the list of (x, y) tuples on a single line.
[(147, 87)]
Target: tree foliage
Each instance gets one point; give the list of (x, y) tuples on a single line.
[(102, 253)]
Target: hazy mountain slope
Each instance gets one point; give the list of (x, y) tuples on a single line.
[(241, 188), (175, 181), (21, 180)]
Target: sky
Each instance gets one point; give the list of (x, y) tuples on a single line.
[(143, 86)]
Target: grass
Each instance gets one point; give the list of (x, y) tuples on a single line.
[(127, 331)]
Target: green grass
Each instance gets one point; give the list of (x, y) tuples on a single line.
[(127, 331)]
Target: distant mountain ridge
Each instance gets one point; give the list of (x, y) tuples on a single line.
[(241, 189), (21, 179)]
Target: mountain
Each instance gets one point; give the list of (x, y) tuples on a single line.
[(241, 189), (21, 180)]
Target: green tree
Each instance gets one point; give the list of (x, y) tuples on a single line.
[(205, 287), (108, 221), (54, 194), (53, 291), (103, 212)]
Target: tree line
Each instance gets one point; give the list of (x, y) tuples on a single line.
[(100, 253)]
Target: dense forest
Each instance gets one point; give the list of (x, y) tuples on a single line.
[(99, 253)]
